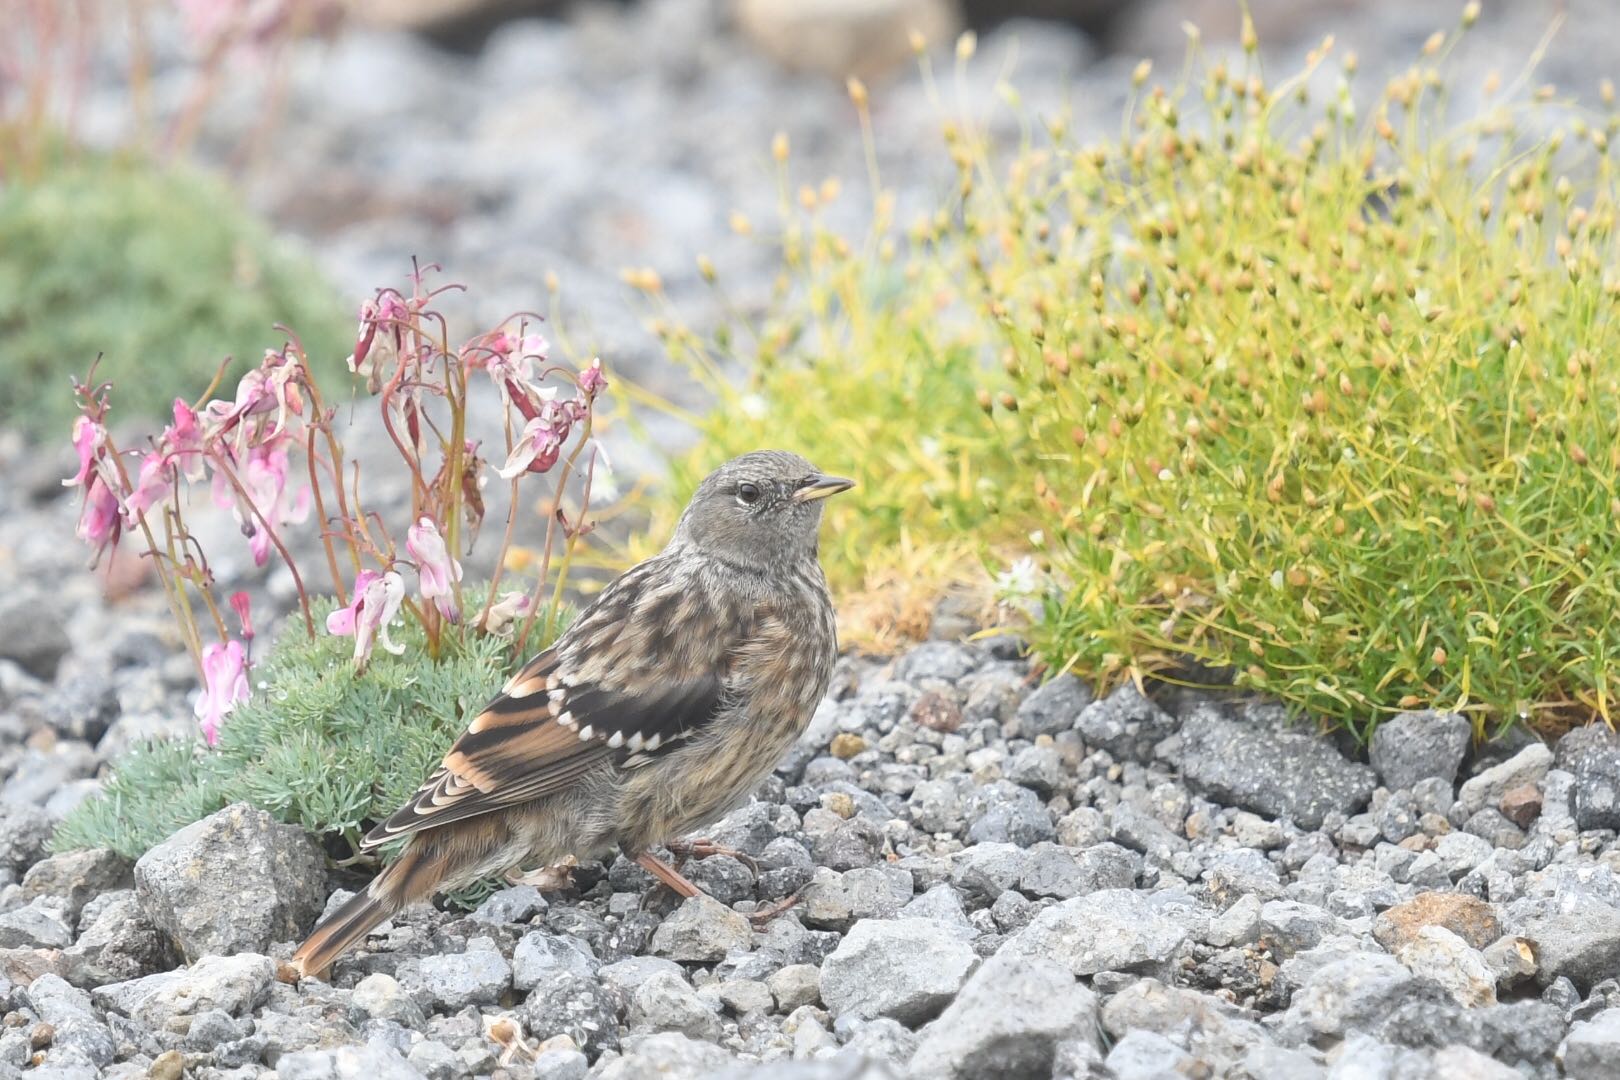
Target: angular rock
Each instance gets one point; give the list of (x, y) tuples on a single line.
[(1109, 930), (1469, 917), (41, 924), (1125, 724), (76, 877), (1583, 947), (1273, 772), (117, 942), (587, 1010), (1593, 755), (906, 969), (667, 1002), (1008, 1021), (1438, 954), (236, 881), (24, 831), (452, 981), (372, 1061), (1528, 766), (665, 1055), (232, 984), (1053, 707), (1592, 1050), (539, 954), (702, 930), (380, 997), (33, 643), (834, 901), (1413, 746)]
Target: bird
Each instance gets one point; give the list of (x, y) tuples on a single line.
[(661, 708)]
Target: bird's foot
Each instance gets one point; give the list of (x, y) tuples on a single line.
[(667, 874), (546, 878), (770, 911), (702, 848)]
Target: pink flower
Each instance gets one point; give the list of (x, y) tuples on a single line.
[(152, 486), (264, 478), (378, 340), (436, 571), (225, 684), (99, 522), (183, 439), (243, 606), (540, 445), (506, 611), (88, 439), (377, 598), (592, 381)]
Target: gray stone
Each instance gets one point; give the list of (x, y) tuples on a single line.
[(1581, 946), (1592, 754), (587, 1010), (234, 882), (632, 971), (987, 870), (1460, 852), (1109, 930), (702, 930), (1125, 724), (1358, 992), (33, 643), (75, 877), (668, 1056), (539, 954), (24, 831), (667, 1002), (117, 942), (1147, 1055), (1291, 927), (941, 904), (232, 984), (1592, 1050), (1438, 954), (1273, 772), (560, 1063), (372, 1061), (1528, 766), (517, 904), (907, 969), (1413, 746), (452, 981), (381, 997), (434, 1060), (40, 924), (1001, 812), (1007, 1021), (1053, 707), (1038, 768), (794, 986), (834, 901)]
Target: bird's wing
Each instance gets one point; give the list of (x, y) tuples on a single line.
[(605, 691)]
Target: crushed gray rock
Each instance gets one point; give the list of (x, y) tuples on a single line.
[(906, 969), (1415, 746)]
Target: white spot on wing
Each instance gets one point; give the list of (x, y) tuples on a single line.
[(616, 740), (586, 732)]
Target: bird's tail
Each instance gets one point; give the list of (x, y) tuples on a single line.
[(414, 876)]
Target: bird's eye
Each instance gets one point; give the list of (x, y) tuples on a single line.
[(748, 494)]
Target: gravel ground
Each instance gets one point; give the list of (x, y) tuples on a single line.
[(995, 878)]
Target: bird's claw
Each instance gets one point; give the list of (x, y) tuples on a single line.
[(770, 911), (702, 848), (546, 878)]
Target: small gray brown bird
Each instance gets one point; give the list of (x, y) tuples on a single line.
[(663, 706)]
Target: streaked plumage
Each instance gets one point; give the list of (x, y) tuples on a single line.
[(667, 702)]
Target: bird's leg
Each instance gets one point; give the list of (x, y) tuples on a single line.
[(770, 911), (702, 848), (666, 873), (546, 878)]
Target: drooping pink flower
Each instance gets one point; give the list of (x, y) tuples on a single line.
[(242, 604), (377, 598), (507, 610), (88, 439), (153, 485), (540, 445), (100, 523), (436, 569), (265, 480), (225, 685), (183, 439), (593, 380), (379, 338)]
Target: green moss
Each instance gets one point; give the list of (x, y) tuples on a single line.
[(1320, 394), (158, 270)]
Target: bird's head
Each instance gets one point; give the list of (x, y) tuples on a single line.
[(762, 509)]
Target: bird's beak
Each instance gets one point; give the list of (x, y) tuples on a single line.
[(820, 487)]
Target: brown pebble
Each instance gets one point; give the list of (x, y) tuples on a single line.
[(936, 712), (41, 1035), (1469, 917), (168, 1065), (839, 803), (846, 745), (1522, 805)]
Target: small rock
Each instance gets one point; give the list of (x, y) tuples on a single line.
[(846, 745), (1110, 930), (794, 986), (1522, 805), (234, 882), (380, 997), (1147, 1055), (1053, 707), (41, 924), (702, 930), (1273, 772), (1581, 946), (1125, 724), (907, 969), (1437, 953), (34, 644), (453, 981), (518, 904), (372, 1061), (1008, 1021), (117, 942), (232, 984), (667, 1055), (667, 1002), (1528, 766), (587, 1010), (1592, 1050), (834, 901), (76, 877), (1469, 917), (1593, 755), (539, 954), (25, 829), (1512, 960), (1413, 746)]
